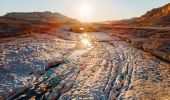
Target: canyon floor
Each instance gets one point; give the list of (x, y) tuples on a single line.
[(61, 67)]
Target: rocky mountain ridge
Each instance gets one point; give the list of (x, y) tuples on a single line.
[(157, 17), (41, 16)]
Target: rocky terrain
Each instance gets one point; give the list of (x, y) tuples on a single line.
[(153, 40), (47, 67), (150, 32), (42, 59)]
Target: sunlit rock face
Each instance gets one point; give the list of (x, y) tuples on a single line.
[(157, 17)]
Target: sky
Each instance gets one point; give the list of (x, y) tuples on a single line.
[(85, 10)]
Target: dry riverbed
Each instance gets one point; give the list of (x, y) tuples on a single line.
[(48, 67)]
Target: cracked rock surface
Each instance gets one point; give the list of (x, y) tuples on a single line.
[(54, 68)]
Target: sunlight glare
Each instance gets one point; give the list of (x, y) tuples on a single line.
[(85, 10), (86, 42)]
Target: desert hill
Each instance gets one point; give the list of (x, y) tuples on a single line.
[(23, 23), (41, 16), (14, 27), (157, 17)]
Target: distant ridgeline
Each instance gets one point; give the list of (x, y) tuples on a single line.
[(158, 17), (41, 16), (19, 23)]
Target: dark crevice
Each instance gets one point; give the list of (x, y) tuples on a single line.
[(53, 64), (31, 92), (162, 59), (158, 57)]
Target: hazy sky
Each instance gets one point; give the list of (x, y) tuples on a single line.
[(85, 10)]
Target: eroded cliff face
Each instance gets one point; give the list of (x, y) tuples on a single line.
[(155, 41), (156, 17)]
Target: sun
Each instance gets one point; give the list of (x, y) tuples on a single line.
[(85, 12)]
